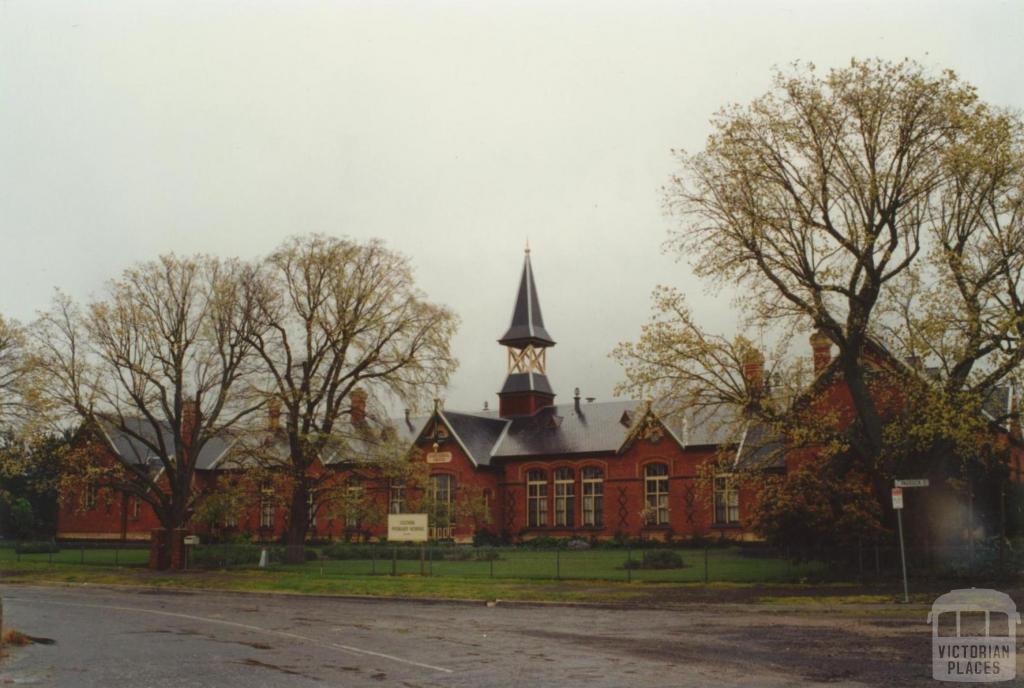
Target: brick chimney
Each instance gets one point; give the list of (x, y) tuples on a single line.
[(822, 348), (358, 397), (753, 369), (190, 417), (274, 415)]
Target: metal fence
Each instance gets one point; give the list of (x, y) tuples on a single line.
[(708, 564)]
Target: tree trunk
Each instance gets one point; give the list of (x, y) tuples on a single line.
[(298, 522)]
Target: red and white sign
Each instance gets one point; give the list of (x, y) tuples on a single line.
[(897, 498)]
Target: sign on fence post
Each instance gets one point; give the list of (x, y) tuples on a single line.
[(898, 506), (407, 527)]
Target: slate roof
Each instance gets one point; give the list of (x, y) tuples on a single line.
[(527, 382), (760, 448), (561, 430), (527, 325), (601, 427), (131, 450)]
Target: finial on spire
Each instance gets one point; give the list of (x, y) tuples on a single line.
[(527, 245)]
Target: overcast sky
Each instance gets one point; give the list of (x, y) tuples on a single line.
[(455, 131)]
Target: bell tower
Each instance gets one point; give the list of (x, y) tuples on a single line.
[(526, 387)]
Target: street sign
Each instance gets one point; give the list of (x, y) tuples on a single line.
[(912, 482), (407, 527), (191, 540), (897, 498)]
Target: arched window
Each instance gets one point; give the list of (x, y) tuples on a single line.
[(593, 496), (536, 499), (656, 494), (565, 497)]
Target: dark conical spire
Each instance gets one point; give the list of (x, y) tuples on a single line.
[(527, 326)]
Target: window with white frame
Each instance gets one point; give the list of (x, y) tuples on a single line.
[(266, 512), (267, 506), (593, 496), (727, 500), (442, 494), (656, 494), (396, 496), (536, 499), (353, 503), (89, 497), (311, 508), (565, 497)]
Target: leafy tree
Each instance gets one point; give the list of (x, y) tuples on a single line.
[(159, 360), (339, 325), (812, 513), (876, 202), (30, 466)]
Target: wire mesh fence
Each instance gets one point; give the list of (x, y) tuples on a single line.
[(748, 563)]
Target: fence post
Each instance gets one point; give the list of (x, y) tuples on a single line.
[(629, 564), (423, 556), (490, 559), (558, 563), (17, 552), (117, 554), (373, 561), (706, 573), (81, 559), (430, 560), (394, 560), (49, 554)]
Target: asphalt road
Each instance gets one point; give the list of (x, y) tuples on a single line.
[(109, 637)]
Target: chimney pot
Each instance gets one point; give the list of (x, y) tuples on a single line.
[(576, 400)]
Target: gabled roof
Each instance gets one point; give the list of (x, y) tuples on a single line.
[(760, 448), (560, 430), (132, 450), (527, 327)]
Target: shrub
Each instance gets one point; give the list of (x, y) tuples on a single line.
[(542, 542), (656, 559), (226, 556), (485, 538), (36, 547)]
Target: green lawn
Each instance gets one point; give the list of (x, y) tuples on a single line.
[(601, 564), (723, 565), (74, 554)]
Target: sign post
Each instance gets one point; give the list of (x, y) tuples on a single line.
[(406, 528), (897, 504)]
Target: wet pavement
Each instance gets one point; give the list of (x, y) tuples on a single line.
[(109, 637)]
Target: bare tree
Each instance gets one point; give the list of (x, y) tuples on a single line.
[(876, 202), (159, 361), (12, 372), (338, 325)]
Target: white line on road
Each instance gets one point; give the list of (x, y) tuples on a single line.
[(248, 627)]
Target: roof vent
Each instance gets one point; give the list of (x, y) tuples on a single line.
[(626, 419)]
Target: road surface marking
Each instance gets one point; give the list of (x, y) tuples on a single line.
[(248, 627)]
